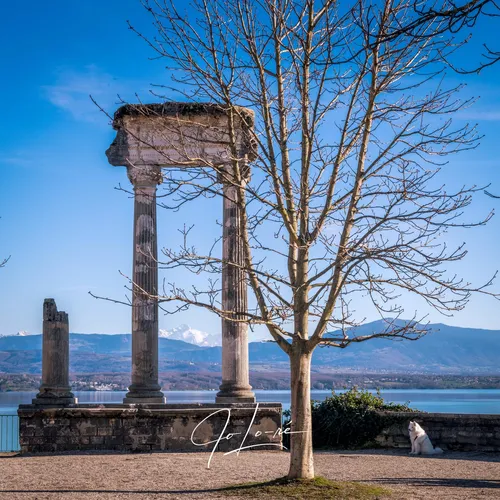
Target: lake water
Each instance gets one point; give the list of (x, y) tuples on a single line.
[(431, 400)]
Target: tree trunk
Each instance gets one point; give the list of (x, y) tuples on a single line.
[(301, 453)]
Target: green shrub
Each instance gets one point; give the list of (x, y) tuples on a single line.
[(350, 419)]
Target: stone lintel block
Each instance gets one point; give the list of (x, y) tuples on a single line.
[(88, 430), (29, 431), (145, 448), (113, 440), (50, 432), (104, 431), (39, 431), (177, 134), (105, 421), (36, 440), (45, 448), (70, 440)]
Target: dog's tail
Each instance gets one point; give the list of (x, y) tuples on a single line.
[(437, 451)]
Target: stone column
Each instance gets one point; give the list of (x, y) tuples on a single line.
[(144, 387), (55, 389), (235, 387)]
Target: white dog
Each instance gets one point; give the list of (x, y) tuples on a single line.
[(420, 442)]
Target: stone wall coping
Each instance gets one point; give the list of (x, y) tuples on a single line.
[(167, 406), (447, 416), (126, 410)]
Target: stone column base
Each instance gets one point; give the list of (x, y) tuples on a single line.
[(160, 400), (233, 393), (143, 394), (222, 399)]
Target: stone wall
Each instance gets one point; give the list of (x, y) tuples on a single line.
[(148, 428), (449, 431)]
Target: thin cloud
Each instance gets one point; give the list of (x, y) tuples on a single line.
[(72, 89), (77, 288), (479, 115), (18, 161)]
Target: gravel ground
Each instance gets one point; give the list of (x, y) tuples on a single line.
[(453, 476)]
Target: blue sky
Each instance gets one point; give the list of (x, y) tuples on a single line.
[(66, 227)]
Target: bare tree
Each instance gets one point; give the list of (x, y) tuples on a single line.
[(353, 122), (4, 261), (491, 195)]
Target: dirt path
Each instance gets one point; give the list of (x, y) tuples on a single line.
[(453, 476)]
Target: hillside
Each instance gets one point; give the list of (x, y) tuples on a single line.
[(446, 350)]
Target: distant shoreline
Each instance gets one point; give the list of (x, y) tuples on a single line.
[(260, 380)]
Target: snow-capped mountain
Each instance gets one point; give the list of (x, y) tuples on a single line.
[(22, 333), (192, 336)]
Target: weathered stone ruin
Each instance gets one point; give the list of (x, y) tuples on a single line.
[(155, 136), (149, 138), (55, 389)]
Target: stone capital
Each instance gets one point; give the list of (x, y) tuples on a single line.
[(144, 175)]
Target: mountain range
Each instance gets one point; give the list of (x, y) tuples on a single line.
[(181, 332), (191, 336), (445, 350)]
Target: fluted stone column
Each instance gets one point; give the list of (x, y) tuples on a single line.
[(183, 135), (55, 389), (145, 387), (235, 387)]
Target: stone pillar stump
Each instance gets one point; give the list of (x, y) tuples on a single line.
[(55, 389)]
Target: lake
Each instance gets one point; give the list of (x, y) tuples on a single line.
[(431, 400)]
